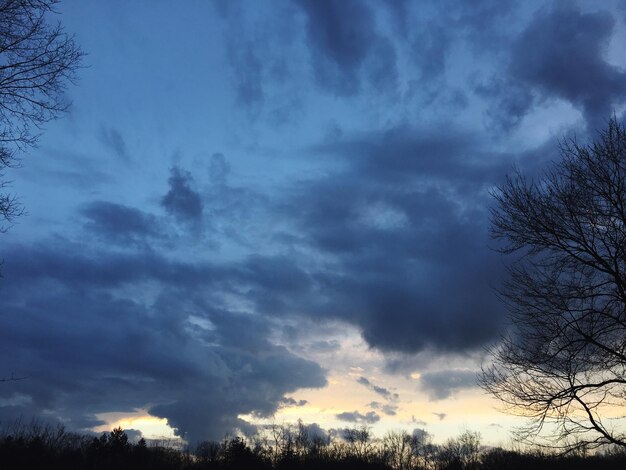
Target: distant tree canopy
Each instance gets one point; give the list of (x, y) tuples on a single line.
[(37, 60), (564, 363), (38, 447)]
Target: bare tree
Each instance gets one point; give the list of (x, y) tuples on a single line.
[(359, 442), (460, 452), (563, 365), (404, 451), (37, 60), (397, 450)]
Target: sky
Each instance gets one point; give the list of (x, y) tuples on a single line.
[(259, 211)]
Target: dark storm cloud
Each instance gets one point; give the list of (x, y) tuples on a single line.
[(272, 274), (355, 417), (389, 234), (403, 154), (560, 54), (288, 401), (346, 49), (406, 224), (444, 383), (182, 201), (97, 331), (118, 223)]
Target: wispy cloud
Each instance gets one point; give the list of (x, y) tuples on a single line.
[(356, 417)]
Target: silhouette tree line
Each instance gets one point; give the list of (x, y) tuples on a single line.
[(562, 363), (283, 447)]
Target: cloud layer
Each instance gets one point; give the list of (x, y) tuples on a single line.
[(99, 331), (317, 162)]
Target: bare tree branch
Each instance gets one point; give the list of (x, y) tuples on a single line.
[(37, 61), (563, 365)]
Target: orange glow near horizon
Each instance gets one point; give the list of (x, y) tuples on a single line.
[(465, 409), (151, 427)]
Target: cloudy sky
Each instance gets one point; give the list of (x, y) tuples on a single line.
[(261, 211)]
